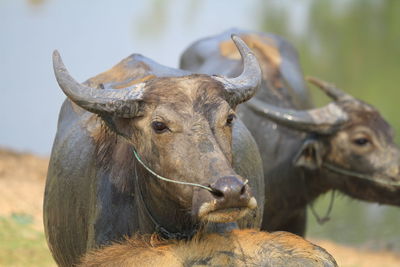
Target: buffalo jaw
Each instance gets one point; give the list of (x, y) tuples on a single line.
[(229, 201), (373, 188)]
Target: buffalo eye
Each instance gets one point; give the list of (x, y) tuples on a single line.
[(159, 127), (361, 141), (229, 119)]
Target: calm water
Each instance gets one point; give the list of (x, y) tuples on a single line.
[(94, 35)]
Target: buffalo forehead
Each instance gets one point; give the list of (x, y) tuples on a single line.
[(122, 73), (265, 45), (362, 114), (195, 92), (268, 54)]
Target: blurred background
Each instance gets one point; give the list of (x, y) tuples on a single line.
[(353, 43)]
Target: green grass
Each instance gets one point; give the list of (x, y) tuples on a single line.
[(20, 244)]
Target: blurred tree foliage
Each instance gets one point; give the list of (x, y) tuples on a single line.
[(355, 44)]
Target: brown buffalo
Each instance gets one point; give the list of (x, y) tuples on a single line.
[(238, 248), (345, 145), (181, 125)]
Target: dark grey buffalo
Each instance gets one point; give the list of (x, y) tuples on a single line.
[(345, 145), (182, 126)]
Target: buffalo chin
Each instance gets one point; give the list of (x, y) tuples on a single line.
[(225, 215), (208, 212)]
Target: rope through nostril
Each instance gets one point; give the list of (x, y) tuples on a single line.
[(225, 188), (217, 193), (166, 179)]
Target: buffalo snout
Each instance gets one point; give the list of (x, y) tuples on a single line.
[(229, 191), (230, 199)]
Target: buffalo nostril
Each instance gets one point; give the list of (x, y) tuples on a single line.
[(217, 193), (243, 190), (229, 188)]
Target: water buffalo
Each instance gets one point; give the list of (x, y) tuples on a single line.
[(237, 248), (345, 145), (126, 139)]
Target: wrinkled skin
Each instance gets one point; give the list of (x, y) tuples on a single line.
[(184, 129), (296, 159), (238, 248)]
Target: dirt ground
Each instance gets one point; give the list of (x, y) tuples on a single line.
[(351, 257), (22, 179)]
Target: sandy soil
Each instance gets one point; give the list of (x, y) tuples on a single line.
[(22, 179), (351, 257)]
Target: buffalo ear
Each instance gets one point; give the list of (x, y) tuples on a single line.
[(118, 125), (310, 155)]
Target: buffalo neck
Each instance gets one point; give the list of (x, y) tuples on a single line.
[(295, 193), (289, 188), (159, 212)]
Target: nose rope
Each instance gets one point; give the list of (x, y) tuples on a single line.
[(158, 228), (173, 181), (319, 219), (166, 179), (339, 170), (326, 217)]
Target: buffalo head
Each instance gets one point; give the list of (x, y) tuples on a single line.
[(348, 140), (181, 127)]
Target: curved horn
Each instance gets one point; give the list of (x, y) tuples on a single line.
[(121, 102), (322, 120), (329, 89), (243, 87)]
